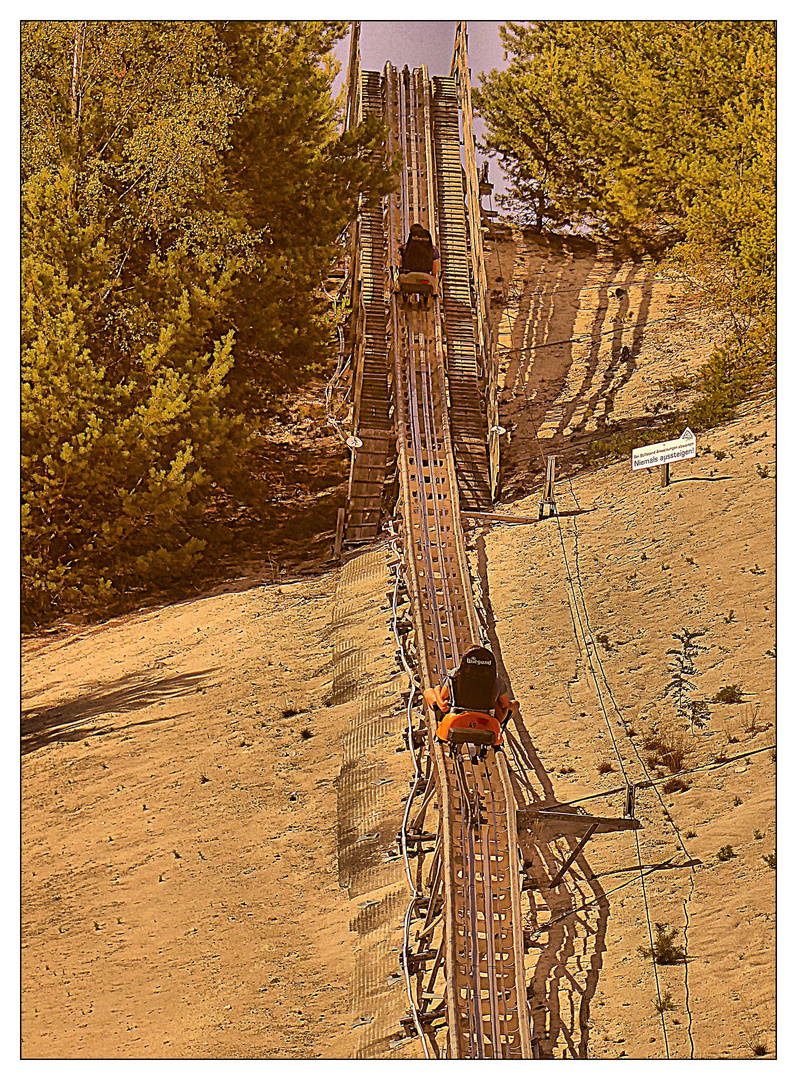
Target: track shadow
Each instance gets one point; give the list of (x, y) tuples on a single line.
[(575, 513), (552, 391), (570, 942), (70, 721), (648, 868)]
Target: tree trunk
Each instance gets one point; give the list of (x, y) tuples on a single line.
[(76, 97)]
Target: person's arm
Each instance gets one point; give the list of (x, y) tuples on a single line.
[(504, 708), (437, 699)]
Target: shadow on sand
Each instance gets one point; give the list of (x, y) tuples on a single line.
[(571, 948), (70, 721), (554, 391)]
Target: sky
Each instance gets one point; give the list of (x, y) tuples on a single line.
[(430, 43)]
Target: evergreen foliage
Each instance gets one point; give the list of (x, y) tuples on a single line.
[(660, 135), (183, 187)]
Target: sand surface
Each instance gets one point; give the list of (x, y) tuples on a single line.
[(180, 886), (188, 884)]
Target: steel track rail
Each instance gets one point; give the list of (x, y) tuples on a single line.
[(482, 936)]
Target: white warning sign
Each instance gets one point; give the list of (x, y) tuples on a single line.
[(645, 457)]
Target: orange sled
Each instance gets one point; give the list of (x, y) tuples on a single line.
[(463, 726), (470, 727)]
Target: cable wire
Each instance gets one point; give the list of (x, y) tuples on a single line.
[(590, 648)]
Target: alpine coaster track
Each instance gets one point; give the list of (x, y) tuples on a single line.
[(421, 375)]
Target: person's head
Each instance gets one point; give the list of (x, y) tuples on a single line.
[(417, 230), (473, 645)]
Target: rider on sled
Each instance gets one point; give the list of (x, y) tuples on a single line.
[(468, 706), (420, 266)]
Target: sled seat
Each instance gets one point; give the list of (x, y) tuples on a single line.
[(469, 727)]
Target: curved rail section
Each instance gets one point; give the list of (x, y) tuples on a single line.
[(467, 956)]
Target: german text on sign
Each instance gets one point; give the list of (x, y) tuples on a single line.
[(645, 457)]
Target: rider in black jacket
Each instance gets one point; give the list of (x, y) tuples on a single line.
[(420, 264)]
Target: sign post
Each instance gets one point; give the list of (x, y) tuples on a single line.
[(548, 497), (664, 454)]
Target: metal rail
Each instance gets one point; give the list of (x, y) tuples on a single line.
[(470, 927), (372, 420)]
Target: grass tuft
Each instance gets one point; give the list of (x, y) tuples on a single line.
[(666, 1004), (664, 950)]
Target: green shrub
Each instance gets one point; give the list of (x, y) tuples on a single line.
[(729, 695), (664, 950)]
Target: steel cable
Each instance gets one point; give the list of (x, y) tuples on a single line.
[(589, 652)]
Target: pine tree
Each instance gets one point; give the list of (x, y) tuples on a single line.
[(657, 134), (176, 221)]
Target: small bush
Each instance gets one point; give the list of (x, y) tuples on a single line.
[(664, 951), (758, 835), (726, 852), (690, 834), (729, 695), (750, 718), (676, 383), (306, 733), (729, 618), (668, 743), (759, 1049), (769, 860), (737, 801), (675, 783), (666, 1004), (605, 767)]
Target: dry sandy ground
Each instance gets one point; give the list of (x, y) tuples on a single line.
[(586, 606), (179, 864), (181, 894)]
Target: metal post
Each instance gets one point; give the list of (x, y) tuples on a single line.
[(548, 497), (665, 474), (339, 531)]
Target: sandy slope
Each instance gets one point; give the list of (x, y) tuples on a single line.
[(180, 843), (585, 608), (180, 892)]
